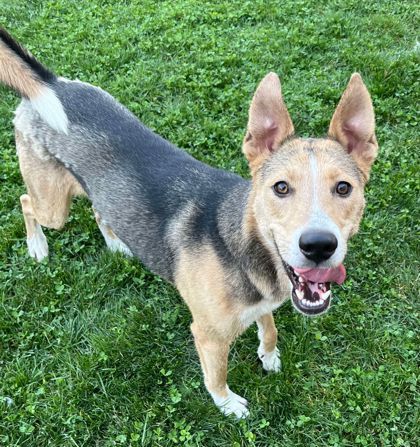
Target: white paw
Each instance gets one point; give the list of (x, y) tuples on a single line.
[(270, 360), (232, 404), (37, 244)]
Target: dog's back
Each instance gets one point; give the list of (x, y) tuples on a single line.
[(154, 184), (120, 163)]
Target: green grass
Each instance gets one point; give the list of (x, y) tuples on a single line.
[(96, 351)]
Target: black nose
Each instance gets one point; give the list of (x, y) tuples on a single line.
[(317, 246)]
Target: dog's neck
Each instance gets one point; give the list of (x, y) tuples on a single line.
[(246, 244)]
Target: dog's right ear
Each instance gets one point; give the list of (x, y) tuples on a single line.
[(269, 122)]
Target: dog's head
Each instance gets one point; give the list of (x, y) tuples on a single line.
[(308, 194)]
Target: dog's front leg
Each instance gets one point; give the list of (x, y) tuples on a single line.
[(267, 350), (213, 351)]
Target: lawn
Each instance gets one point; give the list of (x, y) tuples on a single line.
[(96, 351)]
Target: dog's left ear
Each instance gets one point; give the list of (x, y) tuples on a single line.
[(269, 122), (353, 124)]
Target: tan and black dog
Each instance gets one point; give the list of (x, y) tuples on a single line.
[(235, 249)]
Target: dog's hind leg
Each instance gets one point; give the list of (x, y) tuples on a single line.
[(112, 241), (35, 237), (50, 188), (267, 350), (47, 203)]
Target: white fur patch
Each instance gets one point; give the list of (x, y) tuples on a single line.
[(232, 404), (114, 244), (51, 110), (318, 220), (270, 360), (252, 313), (37, 244)]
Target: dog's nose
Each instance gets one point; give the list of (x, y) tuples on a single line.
[(318, 246)]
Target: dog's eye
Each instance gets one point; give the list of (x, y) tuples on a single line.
[(281, 188), (343, 189)]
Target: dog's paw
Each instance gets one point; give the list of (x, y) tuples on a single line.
[(270, 360), (233, 404), (37, 245)]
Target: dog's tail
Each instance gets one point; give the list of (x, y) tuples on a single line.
[(23, 73)]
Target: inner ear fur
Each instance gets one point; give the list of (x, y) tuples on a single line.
[(353, 124), (269, 122)]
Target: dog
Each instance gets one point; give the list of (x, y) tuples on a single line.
[(235, 249)]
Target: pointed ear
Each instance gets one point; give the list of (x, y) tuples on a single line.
[(353, 124), (269, 122)]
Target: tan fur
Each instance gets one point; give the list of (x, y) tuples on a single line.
[(108, 230), (250, 228), (50, 187), (292, 164), (352, 126), (28, 215), (218, 315), (202, 283), (15, 74), (201, 280), (269, 332)]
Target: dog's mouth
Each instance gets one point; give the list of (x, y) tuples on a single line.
[(311, 293)]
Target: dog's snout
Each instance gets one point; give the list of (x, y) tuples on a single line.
[(318, 246)]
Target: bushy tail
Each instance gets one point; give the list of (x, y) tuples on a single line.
[(23, 73)]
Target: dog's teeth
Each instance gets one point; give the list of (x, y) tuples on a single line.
[(301, 280), (326, 294), (305, 302), (299, 293)]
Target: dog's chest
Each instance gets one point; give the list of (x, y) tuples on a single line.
[(251, 313), (272, 295)]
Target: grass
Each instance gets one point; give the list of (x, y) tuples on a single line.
[(96, 351)]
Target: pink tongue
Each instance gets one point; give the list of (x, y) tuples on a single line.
[(337, 274)]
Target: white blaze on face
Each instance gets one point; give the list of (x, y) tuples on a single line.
[(318, 221)]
